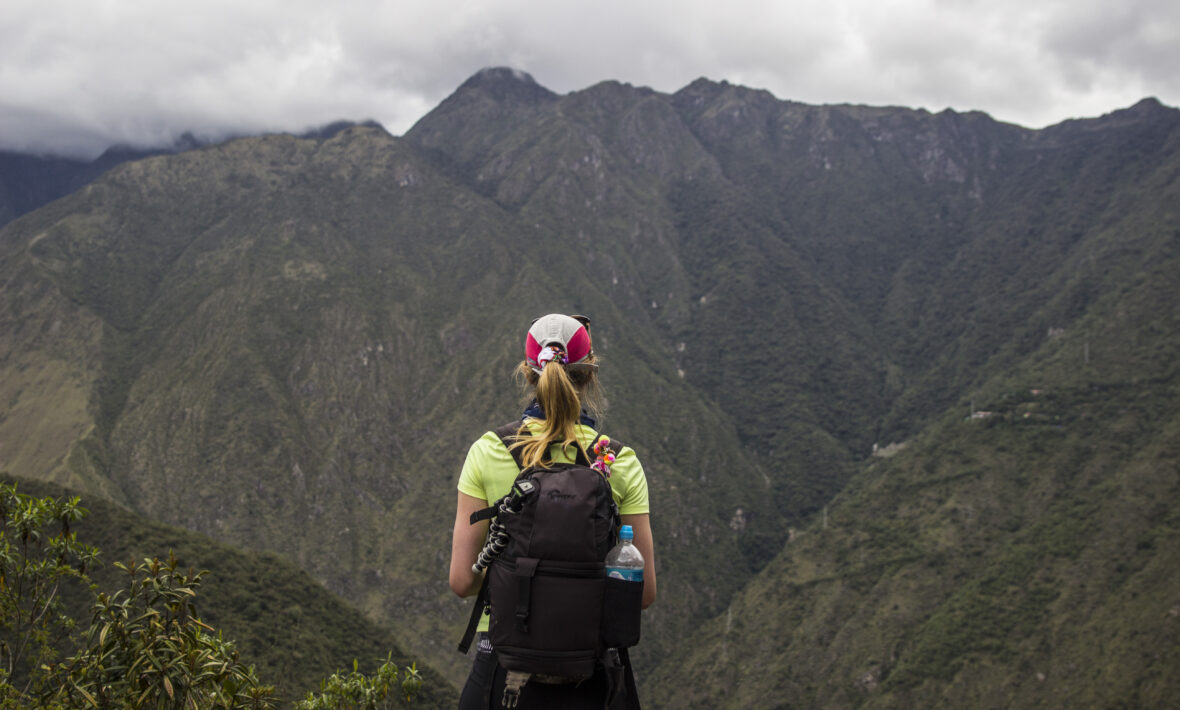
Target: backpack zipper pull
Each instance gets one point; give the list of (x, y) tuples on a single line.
[(513, 682)]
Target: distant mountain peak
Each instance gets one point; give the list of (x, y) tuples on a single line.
[(705, 86), (503, 83), (334, 128), (1146, 110), (1150, 106), (1147, 107), (187, 141), (704, 83), (502, 74), (1149, 103)]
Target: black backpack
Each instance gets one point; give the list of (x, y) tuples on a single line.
[(555, 616)]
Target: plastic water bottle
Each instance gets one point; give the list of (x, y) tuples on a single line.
[(624, 561)]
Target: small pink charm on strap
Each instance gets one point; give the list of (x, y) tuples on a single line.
[(605, 456)]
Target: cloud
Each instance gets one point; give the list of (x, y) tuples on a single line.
[(1097, 42), (77, 76)]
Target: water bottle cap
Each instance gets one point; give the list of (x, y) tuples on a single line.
[(626, 533)]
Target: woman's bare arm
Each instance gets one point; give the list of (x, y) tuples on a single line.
[(641, 526), (465, 545)]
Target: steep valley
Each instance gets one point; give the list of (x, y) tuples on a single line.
[(287, 344)]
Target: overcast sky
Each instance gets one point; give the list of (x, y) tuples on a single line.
[(76, 76)]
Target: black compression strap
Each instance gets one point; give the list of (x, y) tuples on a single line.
[(613, 670), (526, 569), (485, 514), (481, 600), (632, 700)]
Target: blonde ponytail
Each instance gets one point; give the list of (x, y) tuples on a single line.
[(561, 397)]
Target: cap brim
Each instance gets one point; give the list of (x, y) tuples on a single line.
[(582, 366)]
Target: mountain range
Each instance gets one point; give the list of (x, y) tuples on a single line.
[(903, 383)]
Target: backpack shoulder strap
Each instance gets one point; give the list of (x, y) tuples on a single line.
[(506, 433), (481, 601)]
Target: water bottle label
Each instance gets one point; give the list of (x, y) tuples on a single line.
[(629, 575)]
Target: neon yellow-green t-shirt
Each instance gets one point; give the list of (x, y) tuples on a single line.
[(489, 471)]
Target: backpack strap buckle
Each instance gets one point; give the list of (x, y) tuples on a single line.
[(513, 682)]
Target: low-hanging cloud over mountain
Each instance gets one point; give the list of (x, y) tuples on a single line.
[(76, 77)]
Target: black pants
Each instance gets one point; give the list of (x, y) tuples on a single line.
[(485, 688)]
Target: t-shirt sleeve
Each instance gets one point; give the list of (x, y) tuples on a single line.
[(634, 499), (471, 477)]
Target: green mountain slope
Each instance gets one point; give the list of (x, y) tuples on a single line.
[(1017, 563), (1022, 558), (288, 343), (309, 386)]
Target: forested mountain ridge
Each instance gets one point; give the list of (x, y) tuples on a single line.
[(288, 343), (30, 180)]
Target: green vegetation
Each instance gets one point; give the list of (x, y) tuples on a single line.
[(36, 563), (356, 690), (149, 648), (291, 630), (145, 646)]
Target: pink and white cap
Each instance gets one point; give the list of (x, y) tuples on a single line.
[(560, 331)]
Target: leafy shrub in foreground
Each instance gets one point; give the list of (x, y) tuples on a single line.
[(148, 649), (36, 562), (355, 691), (145, 647)]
